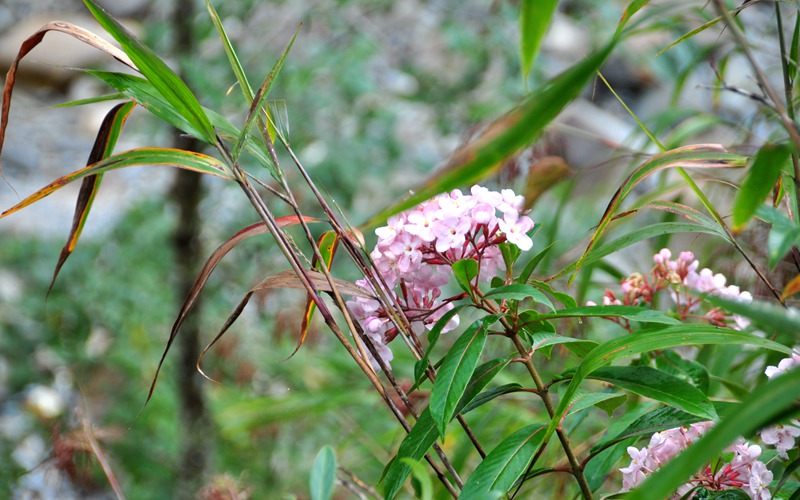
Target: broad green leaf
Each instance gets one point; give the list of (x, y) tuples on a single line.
[(505, 136), (433, 338), (760, 409), (606, 401), (650, 340), (581, 347), (534, 18), (761, 178), (504, 464), (162, 157), (770, 317), (103, 147), (425, 432), (782, 235), (566, 299), (488, 395), (168, 84), (323, 475), (696, 156), (649, 231), (693, 371), (456, 371), (465, 272), (660, 386), (517, 291)]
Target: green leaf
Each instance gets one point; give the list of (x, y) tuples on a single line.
[(566, 300), (650, 340), (632, 313), (505, 136), (526, 273), (433, 338), (534, 18), (186, 160), (488, 395), (425, 432), (791, 70), (519, 292), (581, 347), (761, 178), (783, 234), (607, 401), (456, 371), (693, 371), (323, 475), (420, 473), (660, 386), (763, 407), (233, 59), (504, 464), (630, 10), (465, 272), (167, 82)]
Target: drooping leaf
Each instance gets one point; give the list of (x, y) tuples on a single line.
[(761, 178), (505, 136), (456, 371), (696, 156), (504, 464), (156, 71), (660, 386), (534, 18), (161, 157), (32, 41), (103, 147), (763, 407), (322, 480)]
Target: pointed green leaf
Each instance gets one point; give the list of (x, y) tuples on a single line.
[(633, 313), (761, 178), (660, 386), (517, 291), (323, 474), (782, 235), (505, 136), (763, 407), (168, 84), (465, 272), (504, 464), (456, 371), (233, 59), (534, 18), (606, 401), (692, 371)]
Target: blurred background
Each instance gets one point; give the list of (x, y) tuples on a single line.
[(377, 95)]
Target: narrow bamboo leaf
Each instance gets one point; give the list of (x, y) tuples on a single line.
[(632, 313), (649, 231), (32, 41), (104, 144), (782, 235), (566, 299), (581, 347), (791, 64), (660, 386), (166, 81), (456, 371), (650, 340), (323, 475), (488, 395), (327, 244), (526, 273), (761, 178), (760, 409), (770, 317), (696, 156), (703, 27), (91, 100), (606, 401), (202, 278), (518, 291), (260, 97), (630, 10), (505, 136), (465, 272), (233, 59), (161, 157), (504, 464), (420, 473), (534, 18), (425, 432)]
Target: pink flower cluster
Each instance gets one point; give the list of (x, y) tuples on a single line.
[(743, 471), (686, 286), (782, 437), (416, 249)]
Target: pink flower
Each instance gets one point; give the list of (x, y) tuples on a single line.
[(782, 437), (516, 228), (760, 478)]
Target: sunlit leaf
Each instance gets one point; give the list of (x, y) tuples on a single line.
[(164, 79)]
